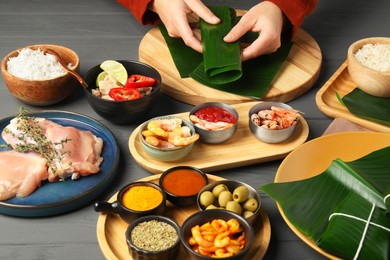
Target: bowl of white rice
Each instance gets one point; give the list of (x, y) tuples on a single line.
[(369, 65), (36, 77)]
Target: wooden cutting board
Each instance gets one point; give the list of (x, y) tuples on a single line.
[(296, 75)]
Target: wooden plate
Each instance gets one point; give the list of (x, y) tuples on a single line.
[(111, 229), (242, 149), (296, 76), (327, 102), (315, 156)]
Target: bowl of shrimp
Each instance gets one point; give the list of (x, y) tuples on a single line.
[(215, 233), (272, 122), (215, 122), (167, 138)]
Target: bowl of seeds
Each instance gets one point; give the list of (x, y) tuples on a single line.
[(153, 237)]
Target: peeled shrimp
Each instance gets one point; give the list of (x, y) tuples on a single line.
[(275, 118), (161, 127), (210, 126)]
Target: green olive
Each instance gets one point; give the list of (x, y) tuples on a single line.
[(240, 194), (247, 214), (218, 189), (211, 207), (234, 206), (206, 198), (251, 204), (224, 198)]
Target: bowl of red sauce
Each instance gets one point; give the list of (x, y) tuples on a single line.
[(182, 184), (215, 122)]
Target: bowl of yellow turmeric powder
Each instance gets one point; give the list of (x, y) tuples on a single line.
[(135, 200)]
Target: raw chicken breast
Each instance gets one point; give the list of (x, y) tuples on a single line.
[(84, 153), (21, 173), (10, 136)]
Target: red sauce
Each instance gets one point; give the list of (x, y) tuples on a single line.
[(215, 114), (183, 182)]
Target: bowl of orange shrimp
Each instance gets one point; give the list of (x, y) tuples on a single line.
[(167, 138), (215, 233), (273, 122)]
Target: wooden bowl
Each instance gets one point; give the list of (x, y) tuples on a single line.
[(42, 92), (372, 81)]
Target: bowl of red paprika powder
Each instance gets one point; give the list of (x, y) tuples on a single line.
[(215, 122), (182, 184)]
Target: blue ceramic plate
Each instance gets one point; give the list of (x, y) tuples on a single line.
[(59, 197)]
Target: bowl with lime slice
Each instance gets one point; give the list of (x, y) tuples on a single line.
[(122, 91)]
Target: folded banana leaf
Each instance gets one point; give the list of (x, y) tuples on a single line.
[(345, 209), (257, 74), (366, 106), (222, 61)]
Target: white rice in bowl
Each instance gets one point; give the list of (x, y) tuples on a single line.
[(375, 56), (34, 65)]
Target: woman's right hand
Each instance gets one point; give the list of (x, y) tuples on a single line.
[(173, 14)]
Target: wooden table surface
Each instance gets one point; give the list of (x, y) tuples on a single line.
[(102, 29)]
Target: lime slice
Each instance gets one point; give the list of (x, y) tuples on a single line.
[(115, 69), (100, 77)]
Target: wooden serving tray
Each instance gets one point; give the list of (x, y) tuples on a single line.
[(240, 150), (327, 102), (296, 76), (111, 229)]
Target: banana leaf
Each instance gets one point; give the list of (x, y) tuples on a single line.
[(366, 106), (345, 209), (221, 60), (257, 74)]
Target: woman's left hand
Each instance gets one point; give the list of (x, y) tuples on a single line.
[(265, 18)]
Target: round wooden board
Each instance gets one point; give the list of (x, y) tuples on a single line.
[(111, 229), (240, 150), (296, 76)]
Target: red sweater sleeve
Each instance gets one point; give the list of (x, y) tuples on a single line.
[(295, 10), (139, 9)]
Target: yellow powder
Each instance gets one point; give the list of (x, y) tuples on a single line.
[(141, 198)]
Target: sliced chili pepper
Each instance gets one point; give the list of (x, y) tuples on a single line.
[(139, 81), (120, 94)]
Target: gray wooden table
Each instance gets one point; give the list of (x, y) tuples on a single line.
[(102, 29)]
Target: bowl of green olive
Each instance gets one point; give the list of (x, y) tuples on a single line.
[(230, 195)]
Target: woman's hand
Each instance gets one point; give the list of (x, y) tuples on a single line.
[(173, 14), (266, 19)]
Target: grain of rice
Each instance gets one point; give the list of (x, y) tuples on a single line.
[(375, 56), (34, 65)]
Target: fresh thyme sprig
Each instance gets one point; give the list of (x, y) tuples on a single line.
[(33, 139)]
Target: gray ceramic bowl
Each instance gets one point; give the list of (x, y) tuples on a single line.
[(178, 199), (125, 213), (165, 154), (232, 185), (124, 112), (218, 136), (202, 217), (167, 254), (267, 135)]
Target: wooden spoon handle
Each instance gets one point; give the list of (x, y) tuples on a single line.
[(65, 66)]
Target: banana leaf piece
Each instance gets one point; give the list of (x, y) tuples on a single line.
[(221, 60), (257, 74), (369, 107), (345, 209)]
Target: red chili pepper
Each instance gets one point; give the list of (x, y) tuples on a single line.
[(120, 94), (139, 81)]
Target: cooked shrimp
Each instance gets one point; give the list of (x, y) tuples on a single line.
[(220, 253), (266, 114), (161, 127), (182, 136), (196, 234), (222, 240), (234, 226), (210, 126), (152, 140), (220, 225)]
